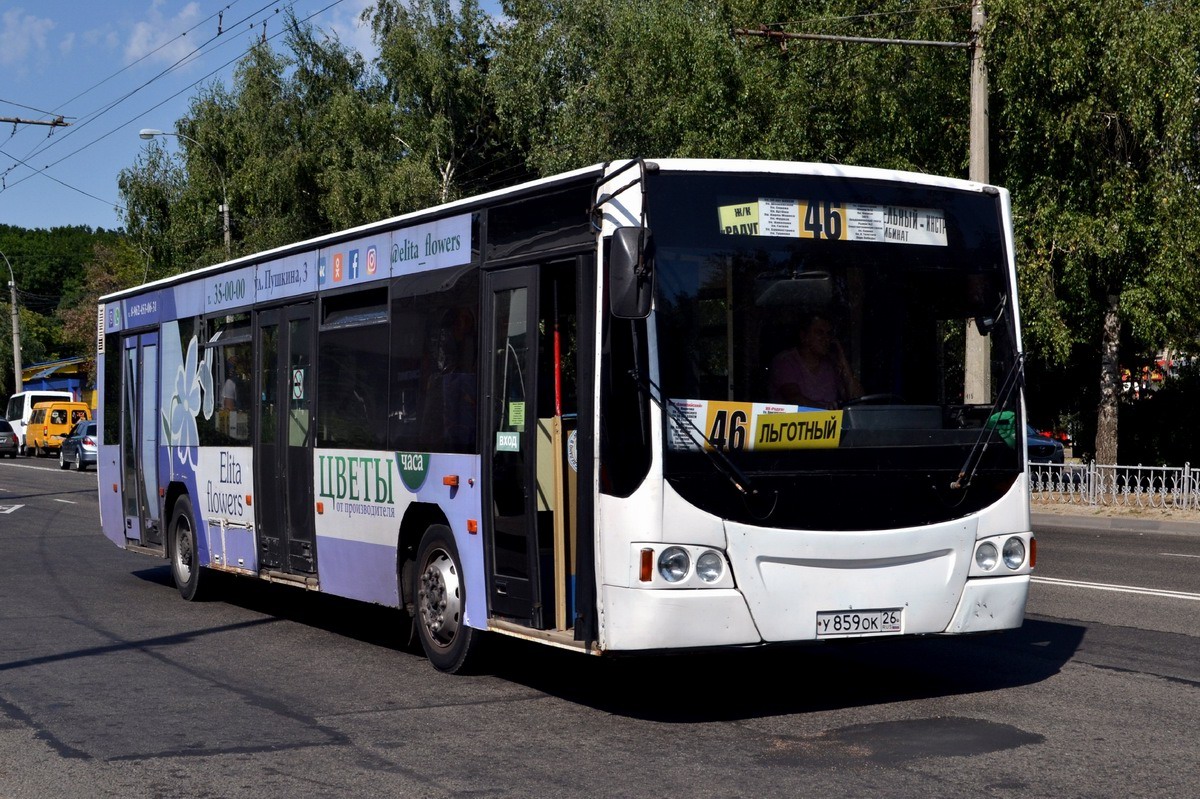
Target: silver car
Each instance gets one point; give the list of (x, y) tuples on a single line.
[(78, 448)]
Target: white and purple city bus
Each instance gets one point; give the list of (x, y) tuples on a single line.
[(555, 412)]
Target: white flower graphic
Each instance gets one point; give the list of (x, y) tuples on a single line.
[(192, 395)]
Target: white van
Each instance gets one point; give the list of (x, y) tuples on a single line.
[(20, 406)]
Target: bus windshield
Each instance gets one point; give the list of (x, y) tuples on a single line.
[(815, 328)]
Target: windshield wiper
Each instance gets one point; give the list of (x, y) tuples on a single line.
[(719, 459), (1014, 378)]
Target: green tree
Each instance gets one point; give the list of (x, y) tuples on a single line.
[(150, 192), (1094, 114), (48, 267), (435, 58), (581, 82)]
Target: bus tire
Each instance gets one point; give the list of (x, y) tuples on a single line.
[(184, 550), (441, 603)]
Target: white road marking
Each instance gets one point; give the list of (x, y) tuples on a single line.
[(32, 466), (66, 501), (1123, 589), (1176, 555)]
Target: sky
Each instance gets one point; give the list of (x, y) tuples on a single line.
[(110, 68)]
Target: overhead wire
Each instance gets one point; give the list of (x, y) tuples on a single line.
[(162, 46), (192, 55), (92, 116), (89, 116)]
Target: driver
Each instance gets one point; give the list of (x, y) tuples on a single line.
[(814, 373)]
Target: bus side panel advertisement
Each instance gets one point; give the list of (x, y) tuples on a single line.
[(434, 245), (363, 496), (143, 311), (286, 277), (224, 477), (189, 299), (351, 262), (229, 290)]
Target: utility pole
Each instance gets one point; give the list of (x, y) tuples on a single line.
[(57, 122), (150, 133), (16, 326), (977, 367)]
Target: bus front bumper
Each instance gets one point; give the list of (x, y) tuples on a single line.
[(641, 619), (991, 603)]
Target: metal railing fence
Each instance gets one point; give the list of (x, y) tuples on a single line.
[(1093, 484)]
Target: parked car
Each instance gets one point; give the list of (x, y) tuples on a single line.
[(79, 447), (8, 440), (1042, 449), (50, 424)]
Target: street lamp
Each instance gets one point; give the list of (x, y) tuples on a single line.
[(150, 133), (12, 288)]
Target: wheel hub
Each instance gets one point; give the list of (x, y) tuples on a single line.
[(439, 599)]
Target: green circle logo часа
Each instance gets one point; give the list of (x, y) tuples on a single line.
[(414, 468)]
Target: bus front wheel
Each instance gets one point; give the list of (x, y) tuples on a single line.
[(441, 602), (185, 554)]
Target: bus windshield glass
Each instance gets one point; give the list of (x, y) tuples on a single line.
[(815, 329)]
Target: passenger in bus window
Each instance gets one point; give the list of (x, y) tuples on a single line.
[(229, 393), (814, 373), (233, 372)]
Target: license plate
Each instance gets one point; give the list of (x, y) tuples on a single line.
[(842, 623)]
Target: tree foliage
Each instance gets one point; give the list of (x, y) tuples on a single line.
[(1095, 121), (47, 265), (434, 59)]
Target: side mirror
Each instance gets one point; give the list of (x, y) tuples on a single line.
[(630, 273)]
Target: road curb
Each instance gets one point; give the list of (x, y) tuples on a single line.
[(1123, 523)]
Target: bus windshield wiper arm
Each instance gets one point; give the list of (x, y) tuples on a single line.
[(718, 459), (1012, 379)]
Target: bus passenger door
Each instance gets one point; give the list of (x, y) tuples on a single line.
[(509, 445), (139, 439), (283, 451), (531, 415)]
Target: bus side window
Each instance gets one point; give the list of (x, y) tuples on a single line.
[(352, 384), (434, 364), (227, 352)]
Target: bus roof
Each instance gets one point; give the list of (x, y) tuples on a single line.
[(594, 171)]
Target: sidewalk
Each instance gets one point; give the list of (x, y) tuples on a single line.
[(1109, 517)]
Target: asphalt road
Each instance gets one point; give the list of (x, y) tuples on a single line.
[(111, 685)]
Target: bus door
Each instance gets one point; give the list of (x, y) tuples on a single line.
[(283, 449), (139, 439), (530, 519)]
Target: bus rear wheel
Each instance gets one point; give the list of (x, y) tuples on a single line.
[(184, 551), (441, 603)]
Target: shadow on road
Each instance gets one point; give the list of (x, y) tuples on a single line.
[(371, 624), (749, 683), (706, 685)]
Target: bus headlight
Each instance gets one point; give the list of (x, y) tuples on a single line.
[(673, 564), (710, 566), (1014, 553), (986, 556)]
